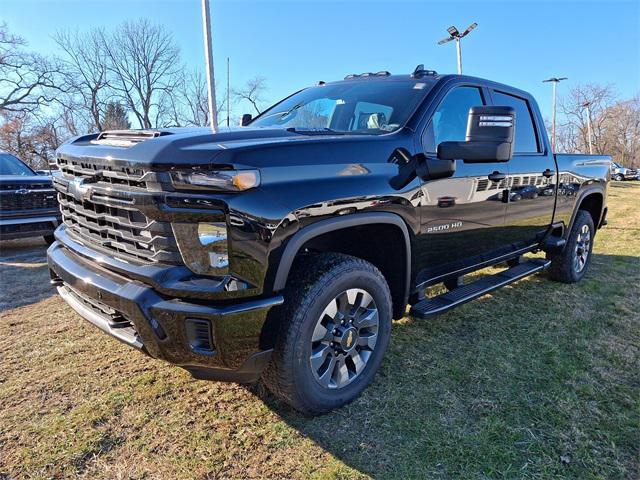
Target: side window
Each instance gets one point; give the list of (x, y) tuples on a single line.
[(526, 140), (449, 121)]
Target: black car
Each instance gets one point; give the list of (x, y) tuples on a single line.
[(525, 191), (28, 204), (283, 250)]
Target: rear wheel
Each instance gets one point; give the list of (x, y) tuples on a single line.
[(571, 264), (335, 328), (618, 177)]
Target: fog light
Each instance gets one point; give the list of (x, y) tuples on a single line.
[(203, 246)]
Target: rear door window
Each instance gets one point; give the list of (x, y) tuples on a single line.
[(525, 134)]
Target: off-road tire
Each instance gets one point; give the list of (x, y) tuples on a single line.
[(313, 283), (562, 264)]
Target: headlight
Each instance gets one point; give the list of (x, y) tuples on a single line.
[(203, 246), (220, 180)]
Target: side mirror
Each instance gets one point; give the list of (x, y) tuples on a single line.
[(246, 119), (418, 166), (489, 137)]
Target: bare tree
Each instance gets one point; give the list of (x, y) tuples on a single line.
[(27, 80), (600, 99), (190, 106), (616, 124), (31, 138), (623, 131), (252, 92), (86, 73), (567, 141), (144, 60)]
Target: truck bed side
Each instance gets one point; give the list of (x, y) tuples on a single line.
[(581, 178)]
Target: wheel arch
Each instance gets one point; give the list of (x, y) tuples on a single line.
[(592, 200), (321, 235)]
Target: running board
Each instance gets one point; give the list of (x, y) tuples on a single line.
[(460, 295)]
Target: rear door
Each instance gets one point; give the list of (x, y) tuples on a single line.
[(462, 216), (532, 174)]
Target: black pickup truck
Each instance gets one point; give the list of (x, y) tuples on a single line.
[(28, 205), (282, 250)]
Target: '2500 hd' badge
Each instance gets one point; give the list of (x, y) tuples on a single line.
[(443, 227)]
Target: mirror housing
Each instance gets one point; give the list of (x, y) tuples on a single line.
[(435, 168), (246, 119), (419, 166), (489, 139)]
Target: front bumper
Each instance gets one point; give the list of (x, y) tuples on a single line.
[(17, 226), (137, 314)]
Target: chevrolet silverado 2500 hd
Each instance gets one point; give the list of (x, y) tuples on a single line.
[(285, 248)]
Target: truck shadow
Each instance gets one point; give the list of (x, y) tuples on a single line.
[(454, 388), (24, 275)]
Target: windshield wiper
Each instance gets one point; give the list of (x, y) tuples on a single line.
[(285, 113), (315, 131)]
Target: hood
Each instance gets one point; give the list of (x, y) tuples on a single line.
[(9, 182), (195, 146)]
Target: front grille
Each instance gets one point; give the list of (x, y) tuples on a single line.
[(30, 186), (106, 218), (130, 177), (28, 199), (15, 228)]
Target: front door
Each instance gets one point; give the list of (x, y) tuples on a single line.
[(462, 217), (532, 177)]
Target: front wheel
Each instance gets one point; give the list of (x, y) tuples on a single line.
[(334, 330), (572, 263)]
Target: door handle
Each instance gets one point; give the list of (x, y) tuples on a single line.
[(497, 176), (547, 173)]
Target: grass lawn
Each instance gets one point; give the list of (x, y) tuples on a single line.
[(537, 380)]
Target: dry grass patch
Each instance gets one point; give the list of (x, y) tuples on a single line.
[(537, 380)]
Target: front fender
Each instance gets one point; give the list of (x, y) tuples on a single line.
[(321, 227)]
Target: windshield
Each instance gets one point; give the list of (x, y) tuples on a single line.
[(10, 165), (364, 107)]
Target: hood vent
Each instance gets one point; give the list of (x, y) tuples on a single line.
[(126, 138)]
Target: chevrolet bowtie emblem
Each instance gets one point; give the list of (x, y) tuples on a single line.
[(78, 190), (349, 339)]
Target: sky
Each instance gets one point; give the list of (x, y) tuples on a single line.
[(295, 44)]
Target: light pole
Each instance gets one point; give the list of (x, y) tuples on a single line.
[(454, 34), (555, 81), (587, 104), (208, 53)]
